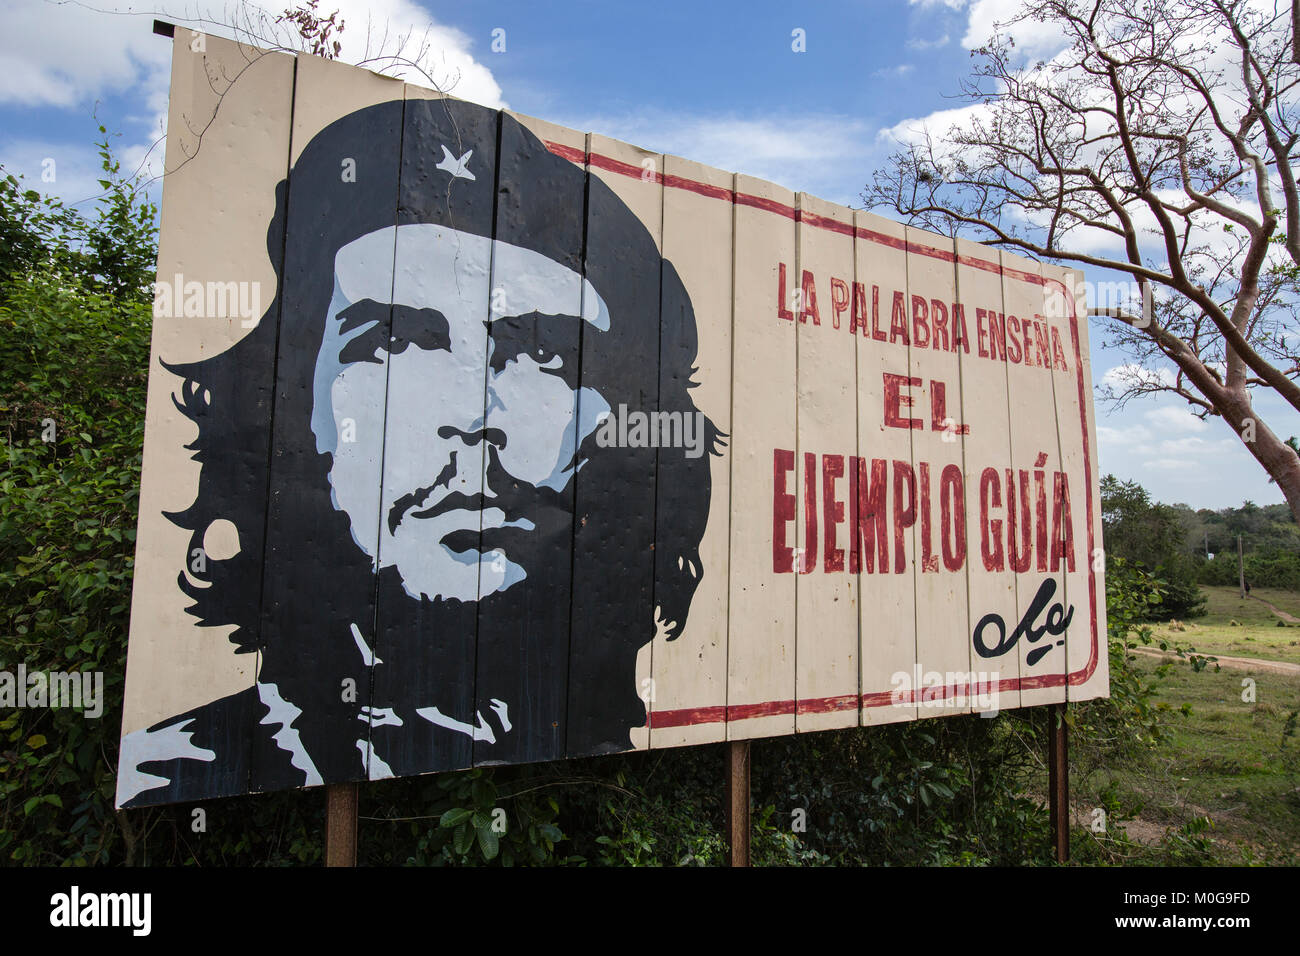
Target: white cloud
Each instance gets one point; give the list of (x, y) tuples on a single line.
[(913, 129), (1204, 450), (375, 30), (66, 55), (893, 72), (1110, 436), (917, 43), (1034, 39), (1171, 464), (1178, 457), (819, 154), (1128, 373), (1175, 418), (75, 168)]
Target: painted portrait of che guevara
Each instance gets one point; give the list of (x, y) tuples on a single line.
[(438, 565)]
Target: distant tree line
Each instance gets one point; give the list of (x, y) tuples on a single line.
[(1270, 544), (1184, 548)]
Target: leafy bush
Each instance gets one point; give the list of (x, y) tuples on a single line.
[(74, 350), (1128, 720), (936, 792)]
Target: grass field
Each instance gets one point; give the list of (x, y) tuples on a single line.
[(1223, 786), (1225, 762), (1255, 633)]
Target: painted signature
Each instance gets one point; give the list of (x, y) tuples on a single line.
[(1058, 619)]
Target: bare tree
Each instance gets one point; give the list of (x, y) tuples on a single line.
[(1158, 143)]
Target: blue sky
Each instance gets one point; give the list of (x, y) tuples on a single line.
[(714, 82)]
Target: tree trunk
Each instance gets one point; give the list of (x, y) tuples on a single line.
[(1278, 458), (1232, 402), (1287, 476)]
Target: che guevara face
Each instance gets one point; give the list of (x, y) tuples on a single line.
[(450, 429)]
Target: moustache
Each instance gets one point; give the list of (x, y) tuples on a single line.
[(516, 499), (405, 503)]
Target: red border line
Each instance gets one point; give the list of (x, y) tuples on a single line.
[(771, 205), (689, 716), (704, 189)]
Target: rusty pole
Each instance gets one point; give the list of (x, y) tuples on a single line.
[(341, 824), (1058, 780), (738, 825)]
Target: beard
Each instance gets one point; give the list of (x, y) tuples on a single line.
[(460, 656), (568, 685), (451, 545), (501, 663)]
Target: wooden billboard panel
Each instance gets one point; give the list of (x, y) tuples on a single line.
[(539, 206), (1036, 502), (985, 399), (613, 611), (433, 356), (689, 700), (761, 625), (197, 562), (938, 429), (826, 589), (328, 426), (562, 447), (879, 497)]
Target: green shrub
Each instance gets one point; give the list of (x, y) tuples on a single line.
[(74, 350)]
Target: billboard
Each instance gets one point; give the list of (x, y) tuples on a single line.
[(473, 440)]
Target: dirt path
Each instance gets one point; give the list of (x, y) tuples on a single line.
[(1276, 610), (1231, 663)]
